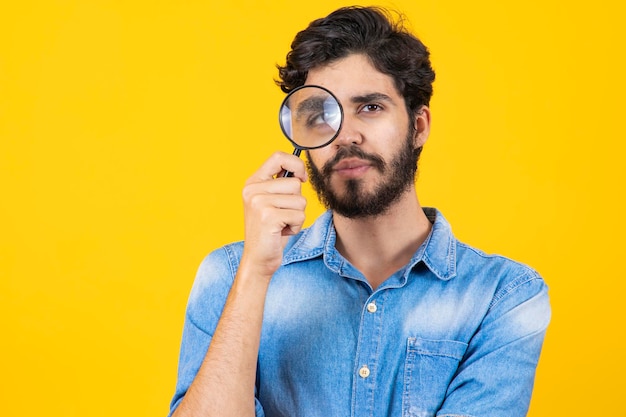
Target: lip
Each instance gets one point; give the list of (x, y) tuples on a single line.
[(352, 167)]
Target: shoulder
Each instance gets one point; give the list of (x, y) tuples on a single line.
[(450, 258), (211, 286), (221, 262), (215, 275), (512, 284), (505, 271)]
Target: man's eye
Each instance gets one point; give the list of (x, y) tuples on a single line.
[(315, 120), (372, 108)]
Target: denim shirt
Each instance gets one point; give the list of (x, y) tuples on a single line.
[(456, 332)]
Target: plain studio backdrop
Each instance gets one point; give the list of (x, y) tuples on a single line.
[(127, 129)]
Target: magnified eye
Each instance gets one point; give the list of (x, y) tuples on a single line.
[(315, 119), (310, 117)]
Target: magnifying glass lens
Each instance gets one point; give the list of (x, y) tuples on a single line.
[(310, 117)]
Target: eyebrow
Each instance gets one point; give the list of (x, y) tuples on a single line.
[(371, 97), (309, 105)]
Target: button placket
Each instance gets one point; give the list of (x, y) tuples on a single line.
[(367, 358)]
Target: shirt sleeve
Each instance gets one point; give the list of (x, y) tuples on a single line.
[(496, 376), (204, 308)]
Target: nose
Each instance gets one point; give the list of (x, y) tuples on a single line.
[(350, 133)]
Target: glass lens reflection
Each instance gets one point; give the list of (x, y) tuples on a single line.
[(310, 117)]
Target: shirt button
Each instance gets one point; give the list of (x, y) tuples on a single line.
[(364, 372), (371, 307)]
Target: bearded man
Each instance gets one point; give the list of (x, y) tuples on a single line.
[(376, 309)]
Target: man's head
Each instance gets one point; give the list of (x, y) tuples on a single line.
[(391, 49), (383, 78)]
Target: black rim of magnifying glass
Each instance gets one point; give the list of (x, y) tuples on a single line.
[(280, 120)]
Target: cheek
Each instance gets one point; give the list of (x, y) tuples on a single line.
[(388, 128), (318, 157), (389, 139)]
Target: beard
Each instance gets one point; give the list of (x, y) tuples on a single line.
[(397, 177)]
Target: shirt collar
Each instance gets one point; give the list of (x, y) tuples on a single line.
[(438, 252), (439, 249)]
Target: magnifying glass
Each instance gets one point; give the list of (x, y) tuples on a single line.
[(310, 117)]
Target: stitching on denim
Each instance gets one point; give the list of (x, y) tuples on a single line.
[(233, 260), (303, 257), (196, 325), (291, 257), (438, 354), (233, 264), (450, 256), (408, 378), (454, 415), (429, 352), (526, 277), (301, 239)]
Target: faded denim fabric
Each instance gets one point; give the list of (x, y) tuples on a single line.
[(456, 332)]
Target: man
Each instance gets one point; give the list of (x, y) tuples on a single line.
[(376, 309)]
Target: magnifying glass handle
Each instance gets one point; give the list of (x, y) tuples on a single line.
[(296, 152)]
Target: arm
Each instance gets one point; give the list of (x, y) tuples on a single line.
[(495, 378), (273, 210)]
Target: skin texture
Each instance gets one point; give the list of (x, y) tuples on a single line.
[(377, 122)]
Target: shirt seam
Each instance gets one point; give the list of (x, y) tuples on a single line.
[(454, 415), (195, 324), (233, 261), (510, 288), (233, 265)]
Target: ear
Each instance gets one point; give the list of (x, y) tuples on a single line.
[(422, 126)]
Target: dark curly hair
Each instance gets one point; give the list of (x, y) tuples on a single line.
[(371, 31)]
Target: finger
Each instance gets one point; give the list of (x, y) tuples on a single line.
[(274, 221), (277, 163), (278, 201), (288, 186), (293, 221)]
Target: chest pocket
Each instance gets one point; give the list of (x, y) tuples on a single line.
[(428, 370)]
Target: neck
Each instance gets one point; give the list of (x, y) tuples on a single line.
[(379, 246)]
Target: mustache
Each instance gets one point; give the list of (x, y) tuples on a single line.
[(353, 151)]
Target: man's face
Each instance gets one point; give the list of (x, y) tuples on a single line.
[(372, 163)]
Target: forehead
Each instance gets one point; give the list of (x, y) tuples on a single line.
[(353, 76)]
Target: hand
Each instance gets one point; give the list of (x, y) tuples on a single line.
[(273, 211)]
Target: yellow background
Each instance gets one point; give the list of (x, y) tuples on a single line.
[(127, 129)]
